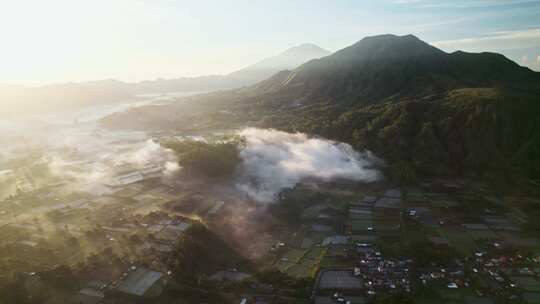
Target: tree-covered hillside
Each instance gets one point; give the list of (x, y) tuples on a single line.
[(480, 130), (422, 109)]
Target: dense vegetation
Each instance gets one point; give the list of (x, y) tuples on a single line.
[(218, 158), (484, 131), (200, 253), (423, 110)]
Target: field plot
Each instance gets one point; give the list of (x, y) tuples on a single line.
[(527, 283), (306, 243), (334, 262), (361, 225), (415, 195), (283, 265), (313, 212), (294, 255), (482, 234), (460, 240), (315, 253), (301, 263), (304, 268), (443, 203), (339, 280)]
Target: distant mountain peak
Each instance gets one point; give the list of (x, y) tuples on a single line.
[(287, 60), (306, 47), (391, 45), (391, 36), (383, 66)]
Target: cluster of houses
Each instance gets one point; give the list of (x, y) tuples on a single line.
[(495, 272), (379, 273), (452, 276), (163, 234), (505, 272), (137, 285), (371, 274)]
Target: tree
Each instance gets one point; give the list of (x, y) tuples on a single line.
[(201, 252), (211, 159)]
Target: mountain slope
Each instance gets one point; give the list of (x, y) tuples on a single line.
[(412, 103), (15, 100), (289, 59), (490, 132), (388, 66), (419, 108)]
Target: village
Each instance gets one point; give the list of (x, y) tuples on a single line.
[(343, 242), (438, 240)]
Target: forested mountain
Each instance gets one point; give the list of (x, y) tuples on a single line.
[(415, 105), (392, 67), (420, 108)]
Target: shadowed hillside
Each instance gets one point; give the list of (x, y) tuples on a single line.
[(389, 67), (418, 107)]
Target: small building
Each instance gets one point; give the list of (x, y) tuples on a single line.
[(337, 285), (389, 206), (335, 240), (322, 228), (338, 280), (138, 286), (129, 178)]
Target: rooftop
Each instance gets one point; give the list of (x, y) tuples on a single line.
[(139, 281), (386, 202), (339, 280)]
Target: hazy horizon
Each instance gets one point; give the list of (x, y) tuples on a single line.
[(308, 151), (145, 40)]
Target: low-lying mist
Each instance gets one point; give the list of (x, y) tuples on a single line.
[(82, 157), (273, 161), (93, 159)]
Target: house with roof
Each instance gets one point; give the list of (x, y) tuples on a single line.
[(139, 286), (388, 206)]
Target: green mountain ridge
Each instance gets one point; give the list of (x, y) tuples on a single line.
[(388, 66), (421, 109)]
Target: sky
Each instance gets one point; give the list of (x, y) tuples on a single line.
[(55, 41)]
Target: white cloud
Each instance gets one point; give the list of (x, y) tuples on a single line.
[(463, 3), (503, 40), (275, 160)]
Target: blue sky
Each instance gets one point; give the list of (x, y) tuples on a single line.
[(77, 40)]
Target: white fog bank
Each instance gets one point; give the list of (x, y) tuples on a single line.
[(274, 160)]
